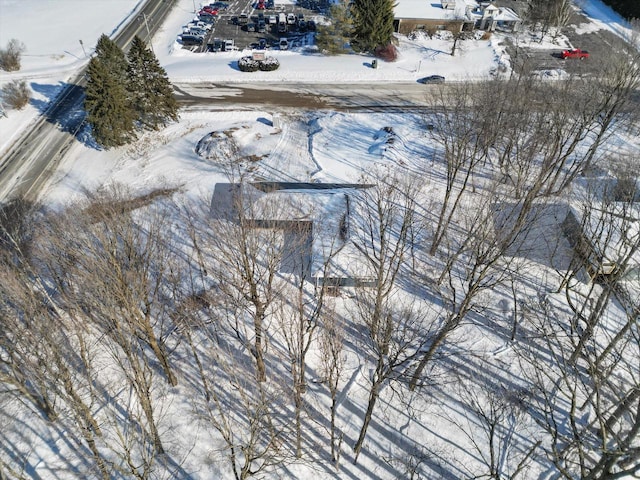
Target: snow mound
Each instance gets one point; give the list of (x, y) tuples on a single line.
[(216, 146)]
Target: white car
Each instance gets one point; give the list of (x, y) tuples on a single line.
[(284, 44), (291, 19), (199, 24)]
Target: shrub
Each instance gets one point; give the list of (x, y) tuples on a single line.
[(11, 56), (248, 64), (15, 94), (269, 64), (388, 53)]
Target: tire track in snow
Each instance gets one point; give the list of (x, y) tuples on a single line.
[(291, 159)]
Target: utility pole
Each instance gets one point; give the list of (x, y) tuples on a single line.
[(83, 50)]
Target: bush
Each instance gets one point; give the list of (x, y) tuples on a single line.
[(15, 94), (269, 64), (248, 64), (388, 53), (11, 56)]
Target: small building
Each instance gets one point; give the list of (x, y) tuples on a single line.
[(452, 15), (433, 15), (315, 221), (498, 18)]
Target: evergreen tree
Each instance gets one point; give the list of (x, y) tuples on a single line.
[(373, 24), (152, 93), (333, 38), (107, 103)]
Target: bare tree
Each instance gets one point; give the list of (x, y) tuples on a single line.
[(243, 411), (393, 328), (463, 131), (299, 313), (242, 249), (549, 14), (127, 269), (591, 413), (476, 262), (10, 57), (495, 424), (15, 94), (331, 339)]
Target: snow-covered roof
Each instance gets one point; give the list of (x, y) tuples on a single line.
[(328, 211), (432, 9), (506, 15)]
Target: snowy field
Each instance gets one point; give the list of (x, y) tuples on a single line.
[(433, 435)]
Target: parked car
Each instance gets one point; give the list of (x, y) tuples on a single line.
[(198, 32), (207, 19), (261, 5), (300, 17), (262, 28), (190, 40), (283, 44), (200, 24), (311, 26), (251, 27), (271, 4), (432, 79), (291, 19), (574, 53), (219, 5), (273, 19), (262, 44), (243, 19), (210, 9), (302, 25)]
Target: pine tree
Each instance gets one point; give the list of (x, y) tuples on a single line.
[(334, 37), (152, 93), (373, 24), (107, 103)]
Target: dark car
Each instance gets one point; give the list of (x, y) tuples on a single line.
[(432, 79), (262, 44), (219, 5), (251, 27), (262, 27), (209, 19), (271, 4), (311, 26), (189, 40)]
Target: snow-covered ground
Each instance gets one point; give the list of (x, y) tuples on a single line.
[(327, 147)]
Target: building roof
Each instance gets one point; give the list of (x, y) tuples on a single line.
[(432, 9)]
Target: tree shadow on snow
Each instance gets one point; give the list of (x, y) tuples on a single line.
[(62, 106)]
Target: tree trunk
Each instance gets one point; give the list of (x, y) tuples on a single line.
[(261, 371), (426, 358), (373, 398)]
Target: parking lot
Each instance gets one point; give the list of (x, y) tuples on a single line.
[(237, 26)]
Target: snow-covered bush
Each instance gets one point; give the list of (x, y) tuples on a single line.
[(269, 64), (248, 64)]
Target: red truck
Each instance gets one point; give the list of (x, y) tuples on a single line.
[(574, 53)]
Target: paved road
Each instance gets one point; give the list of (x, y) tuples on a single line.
[(385, 96)]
